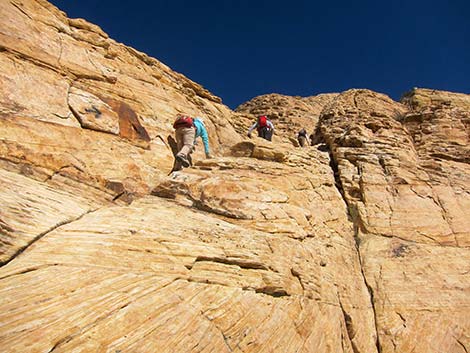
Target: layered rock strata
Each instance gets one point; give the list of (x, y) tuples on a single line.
[(288, 114), (405, 179), (359, 246)]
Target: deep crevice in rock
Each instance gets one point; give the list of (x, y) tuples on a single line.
[(59, 171), (30, 59), (402, 318), (338, 183), (41, 235), (273, 292), (349, 327), (463, 346), (59, 343), (353, 217), (119, 195), (297, 275), (22, 10), (371, 294), (240, 263), (356, 224), (29, 269), (225, 338)]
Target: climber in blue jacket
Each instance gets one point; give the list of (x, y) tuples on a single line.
[(202, 133)]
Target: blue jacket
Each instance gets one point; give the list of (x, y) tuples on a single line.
[(201, 132)]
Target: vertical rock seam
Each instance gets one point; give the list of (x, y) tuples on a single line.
[(339, 185)]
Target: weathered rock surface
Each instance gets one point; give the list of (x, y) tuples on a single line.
[(288, 114), (92, 112), (409, 206), (360, 246)]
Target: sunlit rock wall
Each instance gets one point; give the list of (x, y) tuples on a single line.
[(357, 244)]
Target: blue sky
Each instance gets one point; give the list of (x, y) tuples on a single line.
[(242, 49)]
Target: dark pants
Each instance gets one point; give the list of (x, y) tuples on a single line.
[(265, 133), (302, 140)]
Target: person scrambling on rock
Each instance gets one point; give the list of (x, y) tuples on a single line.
[(264, 126), (202, 133), (185, 135), (302, 137), (187, 130)]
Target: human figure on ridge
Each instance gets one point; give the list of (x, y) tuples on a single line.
[(187, 130), (302, 137), (264, 127)]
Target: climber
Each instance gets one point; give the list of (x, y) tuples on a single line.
[(185, 135), (302, 138), (187, 130), (264, 126), (202, 133)]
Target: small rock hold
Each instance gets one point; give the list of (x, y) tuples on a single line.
[(111, 79)]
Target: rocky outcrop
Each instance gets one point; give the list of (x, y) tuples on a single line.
[(359, 246), (69, 78), (408, 206), (288, 114)]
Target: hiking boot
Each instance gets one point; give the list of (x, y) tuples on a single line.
[(184, 161)]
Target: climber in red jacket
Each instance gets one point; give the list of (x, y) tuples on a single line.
[(264, 126)]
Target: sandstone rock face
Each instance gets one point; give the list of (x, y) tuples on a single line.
[(288, 114), (93, 113), (359, 246), (409, 199), (40, 78)]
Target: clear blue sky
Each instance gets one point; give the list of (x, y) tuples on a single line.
[(241, 49)]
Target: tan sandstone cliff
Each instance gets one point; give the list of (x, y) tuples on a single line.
[(361, 245)]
